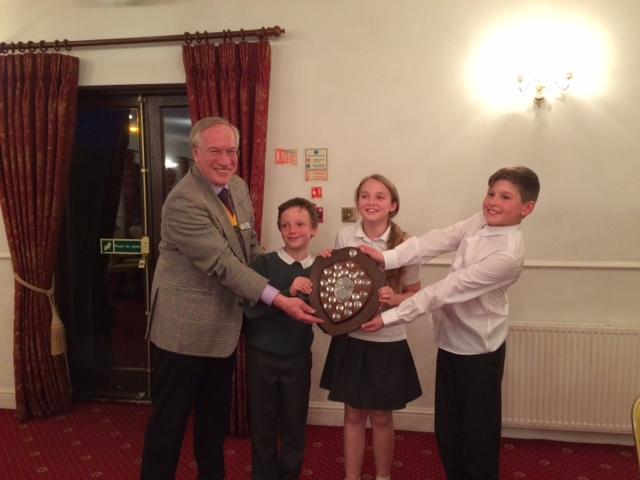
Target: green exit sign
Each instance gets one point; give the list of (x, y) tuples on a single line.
[(122, 246)]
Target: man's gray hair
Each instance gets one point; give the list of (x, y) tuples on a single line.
[(208, 122)]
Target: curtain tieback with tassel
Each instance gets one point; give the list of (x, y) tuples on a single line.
[(58, 339)]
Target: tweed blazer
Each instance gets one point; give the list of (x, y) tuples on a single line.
[(201, 276)]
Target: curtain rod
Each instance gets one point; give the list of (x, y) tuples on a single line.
[(188, 38)]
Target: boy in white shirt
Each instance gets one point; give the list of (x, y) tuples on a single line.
[(471, 321)]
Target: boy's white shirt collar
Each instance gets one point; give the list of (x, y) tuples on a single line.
[(360, 233), (489, 230), (288, 259)]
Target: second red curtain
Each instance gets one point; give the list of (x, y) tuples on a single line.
[(231, 80)]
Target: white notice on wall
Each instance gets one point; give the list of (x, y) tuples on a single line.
[(315, 164)]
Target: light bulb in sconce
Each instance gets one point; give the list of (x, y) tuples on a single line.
[(538, 87)]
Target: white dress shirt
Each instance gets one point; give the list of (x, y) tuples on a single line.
[(472, 300), (354, 236)]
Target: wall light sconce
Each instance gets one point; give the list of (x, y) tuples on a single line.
[(541, 88), (535, 57)]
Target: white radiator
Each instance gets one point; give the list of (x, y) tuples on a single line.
[(571, 377)]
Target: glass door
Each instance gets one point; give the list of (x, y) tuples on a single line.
[(127, 156)]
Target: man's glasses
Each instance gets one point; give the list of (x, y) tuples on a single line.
[(217, 153)]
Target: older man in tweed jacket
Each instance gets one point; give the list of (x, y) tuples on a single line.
[(200, 281)]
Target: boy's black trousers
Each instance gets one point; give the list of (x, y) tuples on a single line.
[(468, 413), (278, 404)]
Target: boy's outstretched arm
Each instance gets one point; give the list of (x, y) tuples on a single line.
[(495, 271), (373, 325), (417, 250), (386, 296), (374, 253)]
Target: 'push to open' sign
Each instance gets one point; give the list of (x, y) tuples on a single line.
[(124, 246)]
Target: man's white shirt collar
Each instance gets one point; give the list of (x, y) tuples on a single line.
[(217, 189)]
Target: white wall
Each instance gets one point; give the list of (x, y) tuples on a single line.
[(384, 87)]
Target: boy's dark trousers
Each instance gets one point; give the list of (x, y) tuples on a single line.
[(468, 413), (278, 404)]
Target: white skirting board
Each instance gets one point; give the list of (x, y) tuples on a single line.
[(8, 398), (421, 420)]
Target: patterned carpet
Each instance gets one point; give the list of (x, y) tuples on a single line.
[(104, 441)]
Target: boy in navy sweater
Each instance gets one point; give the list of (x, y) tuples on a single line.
[(279, 351)]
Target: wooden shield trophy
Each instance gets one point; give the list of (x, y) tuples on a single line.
[(345, 290)]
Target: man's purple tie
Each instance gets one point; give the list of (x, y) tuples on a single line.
[(226, 199)]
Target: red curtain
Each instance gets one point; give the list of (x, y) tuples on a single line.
[(231, 80), (38, 100)]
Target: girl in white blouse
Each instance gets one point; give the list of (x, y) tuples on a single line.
[(374, 373)]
